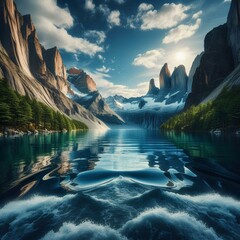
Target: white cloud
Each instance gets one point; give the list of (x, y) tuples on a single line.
[(181, 32), (97, 36), (89, 5), (197, 15), (52, 27), (104, 9), (169, 15), (76, 57), (100, 57), (118, 1), (154, 59), (145, 7), (107, 88), (114, 18), (227, 1), (103, 69), (149, 59)]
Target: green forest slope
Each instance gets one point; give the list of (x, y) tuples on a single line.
[(222, 113), (20, 112)]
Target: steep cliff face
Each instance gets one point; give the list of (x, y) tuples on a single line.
[(22, 46), (174, 87), (85, 93), (233, 25), (192, 71), (82, 81), (165, 78), (31, 70), (152, 90), (179, 79), (216, 63), (11, 23)]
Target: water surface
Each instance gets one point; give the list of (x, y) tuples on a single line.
[(120, 184)]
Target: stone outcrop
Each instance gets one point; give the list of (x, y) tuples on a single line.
[(173, 87), (233, 25), (216, 63), (165, 78), (33, 71), (153, 90), (83, 82), (192, 71), (74, 71), (179, 79), (90, 98)]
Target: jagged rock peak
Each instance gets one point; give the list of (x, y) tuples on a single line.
[(179, 79), (83, 82), (233, 25), (74, 71), (54, 62), (164, 78), (153, 90)]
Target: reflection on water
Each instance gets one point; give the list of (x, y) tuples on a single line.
[(119, 184)]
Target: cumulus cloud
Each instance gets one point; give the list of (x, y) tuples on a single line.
[(96, 36), (89, 5), (114, 18), (104, 69), (52, 27), (154, 59), (149, 59), (169, 15), (108, 88), (181, 32), (197, 15), (100, 57)]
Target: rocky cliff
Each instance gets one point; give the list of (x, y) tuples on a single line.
[(152, 90), (192, 71), (165, 78), (85, 93), (173, 88), (216, 63), (82, 81), (33, 71), (233, 26), (179, 79)]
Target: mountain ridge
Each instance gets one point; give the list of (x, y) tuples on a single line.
[(32, 70)]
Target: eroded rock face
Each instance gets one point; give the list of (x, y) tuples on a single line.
[(173, 87), (179, 79), (33, 71), (192, 71), (22, 46), (90, 98), (153, 90), (165, 78), (83, 82), (233, 25), (216, 63), (54, 62), (74, 71)]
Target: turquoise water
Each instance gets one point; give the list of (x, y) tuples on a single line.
[(120, 184)]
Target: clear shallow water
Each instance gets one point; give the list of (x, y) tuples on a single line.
[(120, 184)]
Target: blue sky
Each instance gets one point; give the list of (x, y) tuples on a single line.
[(122, 44)]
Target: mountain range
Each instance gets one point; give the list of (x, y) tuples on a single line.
[(39, 73), (33, 71)]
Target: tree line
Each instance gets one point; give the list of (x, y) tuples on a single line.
[(21, 112), (221, 113)]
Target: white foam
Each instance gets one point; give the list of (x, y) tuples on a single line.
[(178, 223), (86, 230)]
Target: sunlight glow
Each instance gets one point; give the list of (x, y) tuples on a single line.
[(181, 56)]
